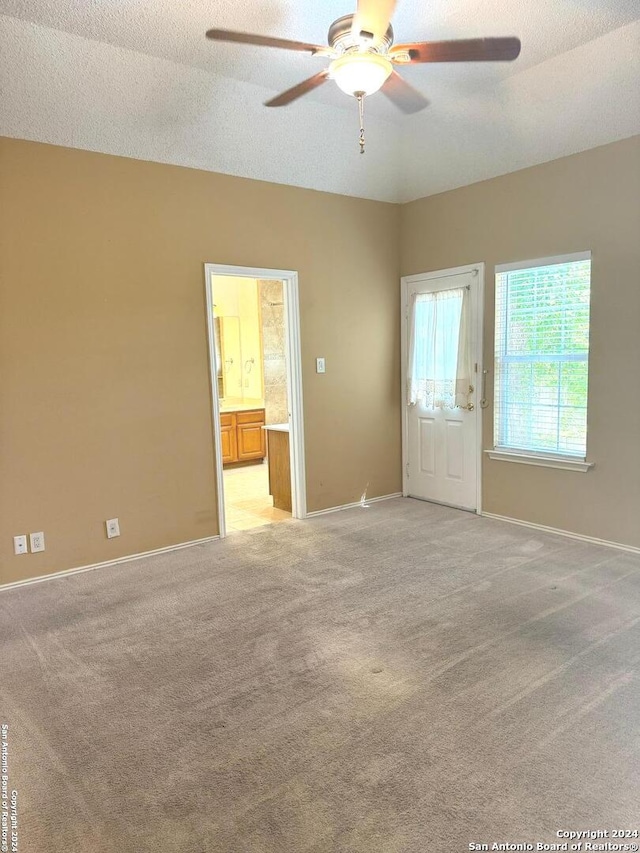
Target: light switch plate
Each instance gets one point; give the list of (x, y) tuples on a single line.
[(320, 368)]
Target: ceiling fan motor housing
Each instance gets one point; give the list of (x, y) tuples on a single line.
[(342, 39)]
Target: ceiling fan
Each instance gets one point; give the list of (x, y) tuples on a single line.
[(362, 55)]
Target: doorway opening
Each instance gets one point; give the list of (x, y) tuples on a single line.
[(253, 324)]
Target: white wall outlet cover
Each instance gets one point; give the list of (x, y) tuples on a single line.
[(320, 366), (36, 542), (20, 545), (113, 528)]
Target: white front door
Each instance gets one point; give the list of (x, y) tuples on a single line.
[(441, 446)]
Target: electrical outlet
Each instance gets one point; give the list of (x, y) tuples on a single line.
[(113, 528), (20, 545), (36, 541)]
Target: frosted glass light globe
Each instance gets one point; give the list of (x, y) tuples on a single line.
[(360, 72)]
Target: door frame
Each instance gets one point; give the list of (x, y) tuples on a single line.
[(289, 279), (478, 270)]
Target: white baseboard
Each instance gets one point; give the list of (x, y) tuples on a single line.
[(362, 502), (106, 563), (592, 540)]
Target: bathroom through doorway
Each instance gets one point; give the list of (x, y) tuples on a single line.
[(251, 372)]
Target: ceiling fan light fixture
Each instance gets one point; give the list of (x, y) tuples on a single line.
[(360, 73)]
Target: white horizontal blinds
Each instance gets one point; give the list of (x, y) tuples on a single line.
[(541, 358)]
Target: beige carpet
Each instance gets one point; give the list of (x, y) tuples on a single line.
[(399, 679)]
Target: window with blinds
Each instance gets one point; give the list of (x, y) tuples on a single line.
[(542, 356)]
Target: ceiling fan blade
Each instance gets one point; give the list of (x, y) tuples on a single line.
[(404, 96), (463, 50), (262, 41), (307, 85), (372, 18)]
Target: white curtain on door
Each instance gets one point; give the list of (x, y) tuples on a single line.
[(439, 366)]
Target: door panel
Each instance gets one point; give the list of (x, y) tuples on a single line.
[(229, 444), (427, 446), (442, 443), (454, 449), (251, 441)]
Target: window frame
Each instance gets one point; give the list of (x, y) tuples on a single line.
[(550, 459)]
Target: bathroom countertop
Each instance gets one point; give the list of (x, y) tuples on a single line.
[(241, 407)]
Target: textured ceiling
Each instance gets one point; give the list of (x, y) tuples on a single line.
[(138, 78)]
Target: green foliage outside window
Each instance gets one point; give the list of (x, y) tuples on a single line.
[(542, 350)]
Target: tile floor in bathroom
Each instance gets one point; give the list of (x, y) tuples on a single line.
[(247, 500)]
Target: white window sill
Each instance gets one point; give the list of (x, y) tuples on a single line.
[(543, 461)]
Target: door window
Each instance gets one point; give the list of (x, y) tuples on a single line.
[(439, 369)]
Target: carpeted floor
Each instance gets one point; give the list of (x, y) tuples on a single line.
[(405, 678)]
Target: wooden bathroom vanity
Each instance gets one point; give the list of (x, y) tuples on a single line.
[(279, 465), (242, 434)]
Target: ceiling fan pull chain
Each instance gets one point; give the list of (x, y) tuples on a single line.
[(360, 99)]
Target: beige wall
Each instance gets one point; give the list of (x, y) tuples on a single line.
[(104, 398), (586, 201), (104, 392)]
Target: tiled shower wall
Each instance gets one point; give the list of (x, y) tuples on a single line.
[(273, 350)]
